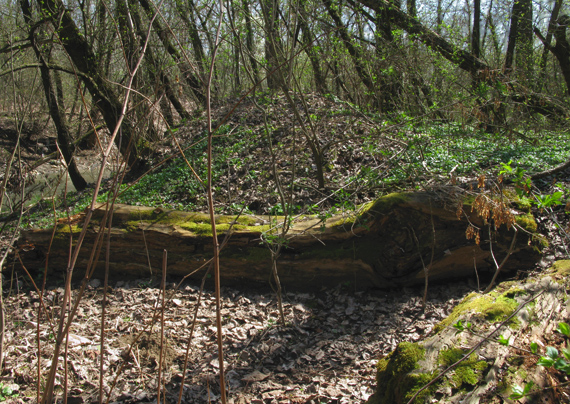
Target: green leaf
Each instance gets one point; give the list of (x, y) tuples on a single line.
[(551, 352), (563, 328), (533, 347), (459, 326), (562, 365), (519, 392), (546, 362), (566, 352)]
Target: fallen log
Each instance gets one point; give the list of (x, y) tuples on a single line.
[(386, 243)]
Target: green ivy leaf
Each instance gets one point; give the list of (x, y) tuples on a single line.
[(533, 347)]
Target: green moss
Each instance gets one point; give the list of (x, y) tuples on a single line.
[(467, 373), (491, 307), (64, 229), (527, 222), (561, 267), (385, 203), (397, 382), (514, 292), (198, 223), (147, 214)]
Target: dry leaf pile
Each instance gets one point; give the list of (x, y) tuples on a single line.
[(325, 353)]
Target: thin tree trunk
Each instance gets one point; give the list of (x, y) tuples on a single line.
[(249, 41), (464, 60), (354, 53), (98, 86), (194, 82), (309, 46), (562, 47), (476, 32), (153, 65), (57, 114), (273, 46), (186, 12), (548, 40)]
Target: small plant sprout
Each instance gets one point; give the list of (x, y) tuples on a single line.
[(7, 392), (534, 347), (504, 340), (550, 358), (520, 392), (549, 200), (460, 326)]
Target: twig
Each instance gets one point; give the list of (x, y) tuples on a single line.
[(499, 267)]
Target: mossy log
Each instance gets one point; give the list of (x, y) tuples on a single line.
[(386, 243), (465, 344)]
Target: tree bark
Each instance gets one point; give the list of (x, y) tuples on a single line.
[(57, 114), (186, 12), (249, 41), (273, 46), (309, 47), (161, 78), (188, 72), (354, 53), (98, 86), (458, 56), (519, 47), (375, 249), (548, 41), (562, 47)]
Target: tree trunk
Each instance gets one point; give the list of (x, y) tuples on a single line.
[(98, 86), (456, 55), (161, 78), (186, 12), (519, 47), (476, 32), (273, 46), (354, 53), (377, 248), (57, 114), (548, 41), (188, 72), (309, 47), (562, 47), (249, 41)]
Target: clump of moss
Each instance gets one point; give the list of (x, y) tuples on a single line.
[(561, 267), (396, 381), (527, 222), (63, 229), (385, 203), (491, 307), (467, 373)]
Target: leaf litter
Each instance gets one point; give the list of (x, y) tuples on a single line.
[(326, 353)]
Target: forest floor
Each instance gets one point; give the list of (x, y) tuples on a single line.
[(326, 351)]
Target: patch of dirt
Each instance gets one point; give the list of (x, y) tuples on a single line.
[(325, 353)]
